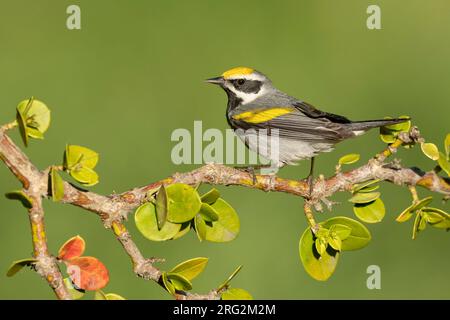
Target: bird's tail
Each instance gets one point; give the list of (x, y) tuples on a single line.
[(367, 125)]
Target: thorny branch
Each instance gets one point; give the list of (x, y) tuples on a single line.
[(113, 209)]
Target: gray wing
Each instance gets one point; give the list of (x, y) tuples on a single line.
[(305, 123)]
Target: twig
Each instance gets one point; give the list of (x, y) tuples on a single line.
[(46, 264), (113, 209), (142, 267), (310, 217), (414, 194), (35, 186)]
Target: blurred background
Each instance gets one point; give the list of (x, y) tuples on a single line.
[(134, 73)]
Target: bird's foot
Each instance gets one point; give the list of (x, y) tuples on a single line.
[(310, 182), (252, 170)]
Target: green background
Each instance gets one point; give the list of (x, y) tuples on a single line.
[(135, 72)]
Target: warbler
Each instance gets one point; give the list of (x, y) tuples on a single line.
[(255, 105)]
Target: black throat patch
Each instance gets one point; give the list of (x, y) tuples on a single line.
[(233, 102)]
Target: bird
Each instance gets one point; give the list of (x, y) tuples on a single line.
[(256, 106)]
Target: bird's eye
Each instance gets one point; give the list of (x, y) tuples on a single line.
[(241, 82)]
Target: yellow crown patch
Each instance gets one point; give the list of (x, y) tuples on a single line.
[(237, 71)]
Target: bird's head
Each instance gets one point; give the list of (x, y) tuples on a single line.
[(245, 83)]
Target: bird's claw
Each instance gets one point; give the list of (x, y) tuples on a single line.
[(250, 170)]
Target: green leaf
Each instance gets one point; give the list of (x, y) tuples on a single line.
[(191, 268), (416, 226), (436, 210), (211, 196), (57, 184), (21, 121), (430, 150), (231, 277), (371, 212), (145, 218), (162, 203), (406, 214), (99, 295), (447, 145), (319, 267), (21, 196), (80, 162), (422, 223), (74, 292), (114, 296), (85, 175), (365, 186), (369, 189), (226, 228), (400, 127), (200, 227), (320, 245), (444, 163), (335, 243), (340, 230), (167, 284), (179, 282), (208, 213), (435, 217), (388, 134), (349, 158), (322, 233), (37, 116), (17, 265), (236, 294), (422, 203), (184, 202), (364, 197), (33, 118), (185, 227), (432, 217), (78, 156), (35, 133), (444, 224), (359, 236)]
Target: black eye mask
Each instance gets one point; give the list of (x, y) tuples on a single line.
[(248, 86)]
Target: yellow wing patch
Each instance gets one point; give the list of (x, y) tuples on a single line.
[(237, 71), (262, 115)]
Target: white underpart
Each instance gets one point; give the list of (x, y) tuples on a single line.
[(281, 151), (358, 132)]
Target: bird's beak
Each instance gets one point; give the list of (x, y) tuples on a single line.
[(216, 80)]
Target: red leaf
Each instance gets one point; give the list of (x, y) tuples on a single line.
[(74, 247), (87, 273)]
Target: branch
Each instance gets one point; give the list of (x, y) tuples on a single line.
[(144, 267), (35, 187), (116, 207), (113, 209)]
